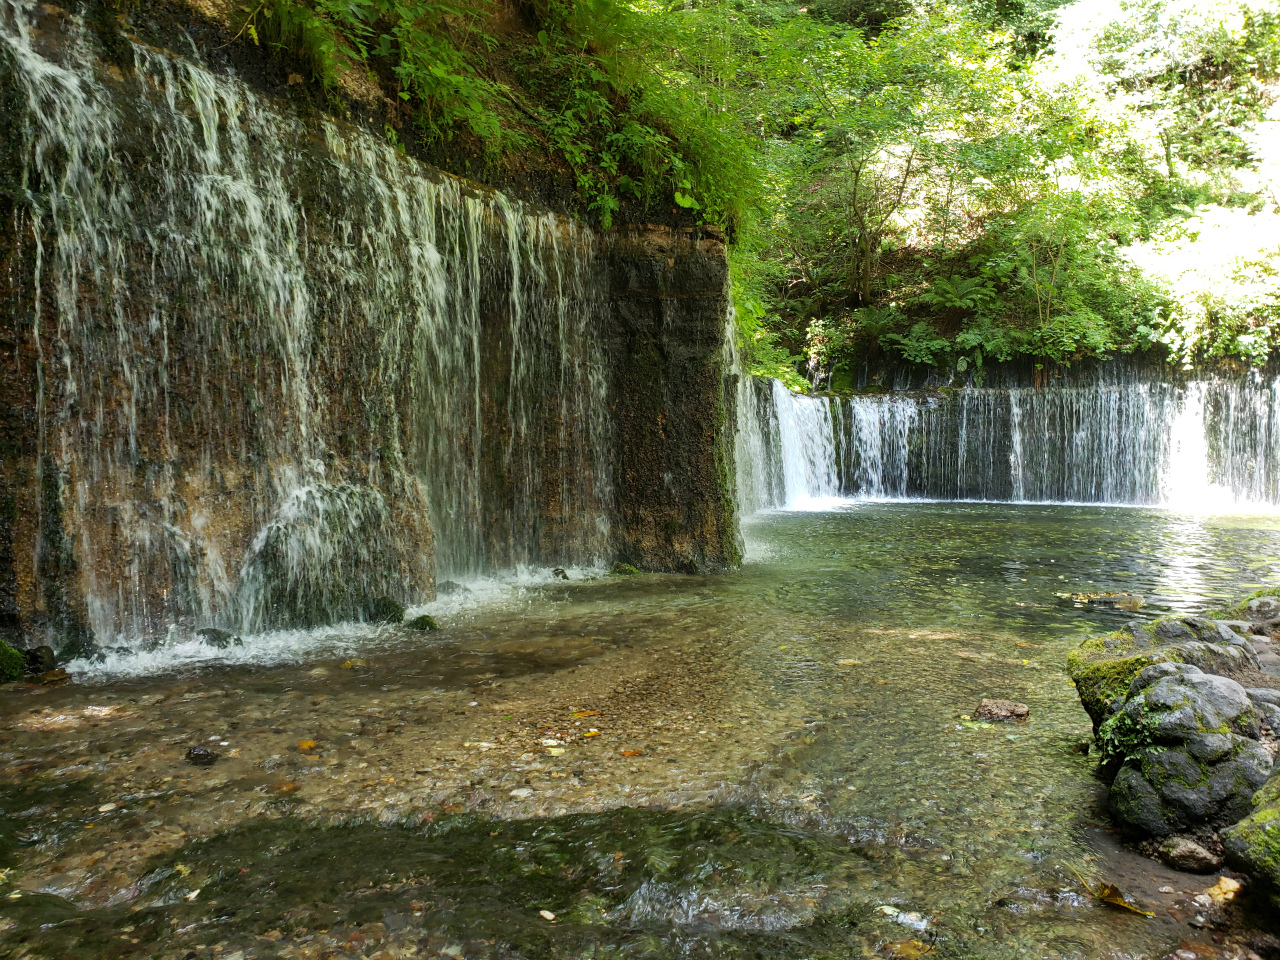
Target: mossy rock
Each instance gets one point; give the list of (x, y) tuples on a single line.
[(218, 639), (383, 610), (12, 663), (623, 570), (1103, 674), (1240, 611), (424, 622), (1253, 844)]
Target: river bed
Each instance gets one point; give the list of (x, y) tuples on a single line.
[(776, 762)]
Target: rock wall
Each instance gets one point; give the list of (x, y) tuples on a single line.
[(261, 369)]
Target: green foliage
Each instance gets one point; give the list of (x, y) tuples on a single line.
[(12, 663), (939, 188), (430, 47), (585, 90), (1122, 737)]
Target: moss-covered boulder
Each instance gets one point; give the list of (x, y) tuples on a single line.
[(1188, 752), (423, 622), (12, 663), (1103, 668), (1253, 844), (1102, 674)]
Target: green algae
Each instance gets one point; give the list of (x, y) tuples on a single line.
[(638, 882)]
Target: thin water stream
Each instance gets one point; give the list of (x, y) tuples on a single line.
[(772, 763)]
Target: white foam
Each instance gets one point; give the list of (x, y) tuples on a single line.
[(514, 589)]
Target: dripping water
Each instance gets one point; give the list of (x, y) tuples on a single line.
[(268, 350)]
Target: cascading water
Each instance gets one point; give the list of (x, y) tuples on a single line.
[(807, 441), (305, 307), (1101, 437)]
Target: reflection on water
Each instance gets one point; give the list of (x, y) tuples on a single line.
[(867, 633)]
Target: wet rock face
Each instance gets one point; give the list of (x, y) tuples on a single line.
[(674, 408), (295, 371), (1191, 752)]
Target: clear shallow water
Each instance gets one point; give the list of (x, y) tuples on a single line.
[(941, 605), (861, 636)]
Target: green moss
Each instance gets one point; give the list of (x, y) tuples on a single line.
[(12, 663), (1122, 738), (1254, 842), (383, 610), (1100, 679), (623, 570), (424, 622)]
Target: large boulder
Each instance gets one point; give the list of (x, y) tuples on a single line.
[(1253, 844), (1186, 743), (1103, 668)]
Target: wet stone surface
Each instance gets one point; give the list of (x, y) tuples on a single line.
[(776, 763)]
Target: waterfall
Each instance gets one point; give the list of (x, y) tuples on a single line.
[(1109, 436), (265, 386)]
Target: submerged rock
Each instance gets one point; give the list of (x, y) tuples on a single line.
[(383, 610), (200, 757), (424, 622), (219, 639), (1186, 743), (41, 660), (447, 588), (990, 710), (1182, 853)]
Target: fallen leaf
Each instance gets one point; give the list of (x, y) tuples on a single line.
[(285, 787), (633, 753), (556, 751), (1225, 890), (306, 746), (1112, 895), (546, 915), (580, 714), (294, 79), (592, 733)]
